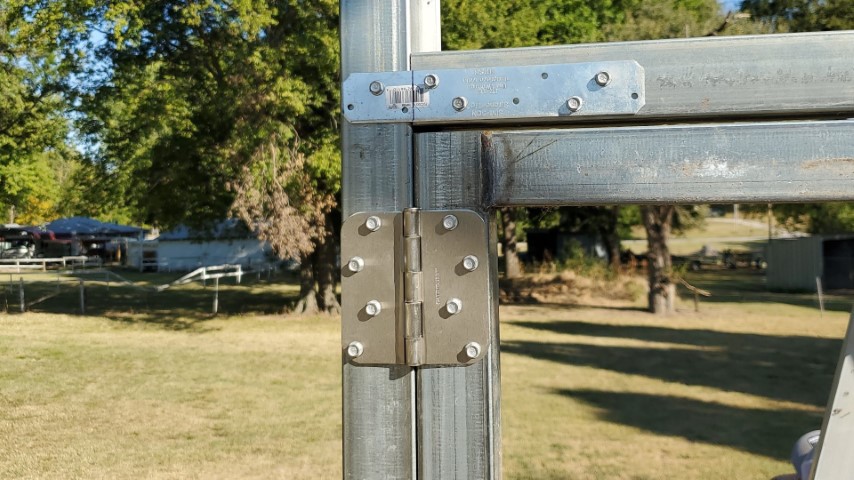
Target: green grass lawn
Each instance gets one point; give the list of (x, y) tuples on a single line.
[(589, 392), (719, 233)]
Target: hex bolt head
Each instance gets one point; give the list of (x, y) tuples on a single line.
[(450, 222), (373, 223), (356, 264), (373, 308), (472, 350), (355, 349), (376, 87), (574, 104), (603, 78), (431, 81), (454, 306), (470, 263), (459, 103)]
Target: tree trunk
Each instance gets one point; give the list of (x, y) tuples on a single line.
[(307, 303), (327, 273), (512, 266), (611, 238), (662, 291)]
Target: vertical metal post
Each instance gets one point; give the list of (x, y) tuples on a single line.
[(21, 295), (216, 296), (834, 454), (82, 298), (459, 421), (379, 402), (457, 432)]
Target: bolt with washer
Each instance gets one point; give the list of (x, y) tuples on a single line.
[(470, 263), (373, 308), (431, 81), (472, 350), (356, 264), (376, 87), (603, 78), (454, 306), (355, 349), (450, 222), (459, 103), (373, 223), (574, 104)]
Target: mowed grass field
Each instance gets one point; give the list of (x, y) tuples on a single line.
[(600, 390)]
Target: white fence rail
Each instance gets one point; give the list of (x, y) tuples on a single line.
[(16, 265)]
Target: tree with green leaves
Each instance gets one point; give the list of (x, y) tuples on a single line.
[(188, 101), (37, 59), (801, 15)]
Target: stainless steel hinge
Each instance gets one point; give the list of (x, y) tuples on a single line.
[(561, 92), (415, 288)]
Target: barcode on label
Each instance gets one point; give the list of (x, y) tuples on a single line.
[(405, 96)]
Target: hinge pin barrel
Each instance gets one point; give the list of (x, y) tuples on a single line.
[(412, 288)]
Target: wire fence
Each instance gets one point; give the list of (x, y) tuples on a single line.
[(101, 291)]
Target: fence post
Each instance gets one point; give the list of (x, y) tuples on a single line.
[(216, 296), (21, 295), (82, 298)]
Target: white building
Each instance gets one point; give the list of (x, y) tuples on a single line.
[(184, 249)]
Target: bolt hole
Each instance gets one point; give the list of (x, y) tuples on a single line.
[(635, 96), (405, 109), (545, 75), (516, 101), (351, 107)]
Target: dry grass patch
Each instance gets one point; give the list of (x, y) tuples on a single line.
[(593, 388), (239, 397)]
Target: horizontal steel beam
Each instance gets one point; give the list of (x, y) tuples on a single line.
[(742, 163), (792, 76)]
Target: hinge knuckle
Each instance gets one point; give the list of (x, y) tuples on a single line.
[(412, 287)]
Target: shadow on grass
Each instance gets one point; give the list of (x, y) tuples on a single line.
[(764, 432), (180, 308), (792, 368)]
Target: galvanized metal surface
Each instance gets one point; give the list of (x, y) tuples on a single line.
[(761, 162), (377, 281), (834, 454), (794, 75), (483, 95), (378, 402), (459, 408)]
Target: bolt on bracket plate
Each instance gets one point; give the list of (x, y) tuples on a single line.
[(458, 335), (495, 94)]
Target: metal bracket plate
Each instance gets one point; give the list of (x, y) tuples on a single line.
[(455, 288), (493, 94), (452, 338), (372, 339)]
